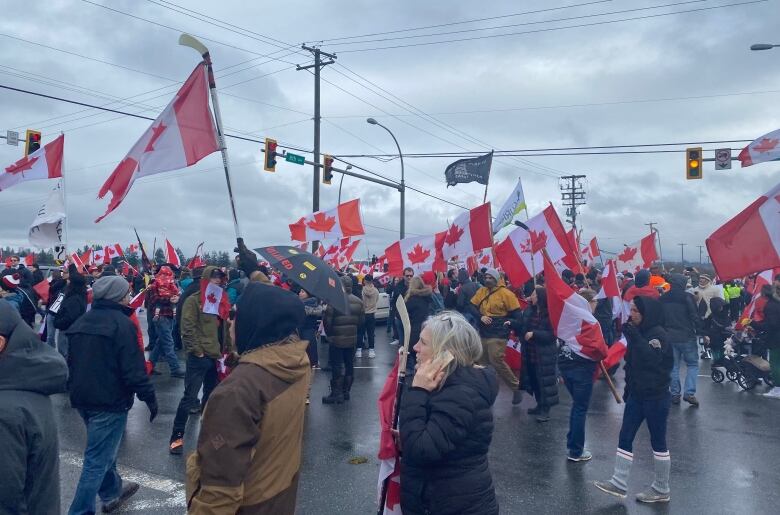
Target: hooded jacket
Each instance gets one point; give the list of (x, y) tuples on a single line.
[(74, 304), (249, 448), (106, 366), (648, 367), (445, 436), (342, 328), (203, 333), (419, 305), (770, 325), (681, 319), (497, 303), (466, 290), (30, 371)]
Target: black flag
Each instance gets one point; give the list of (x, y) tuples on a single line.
[(469, 170)]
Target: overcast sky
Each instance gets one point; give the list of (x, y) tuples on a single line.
[(622, 83)]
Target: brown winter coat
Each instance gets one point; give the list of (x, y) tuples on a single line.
[(249, 449)]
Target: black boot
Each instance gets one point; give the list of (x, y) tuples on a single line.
[(347, 386), (336, 391)]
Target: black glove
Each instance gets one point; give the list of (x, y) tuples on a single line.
[(152, 405), (630, 330), (246, 259)]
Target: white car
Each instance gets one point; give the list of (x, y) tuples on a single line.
[(382, 306)]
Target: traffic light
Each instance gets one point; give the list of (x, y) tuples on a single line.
[(327, 169), (693, 160), (32, 142), (269, 159)]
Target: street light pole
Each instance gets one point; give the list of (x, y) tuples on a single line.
[(763, 46), (403, 184)]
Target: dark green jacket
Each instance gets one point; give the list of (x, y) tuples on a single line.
[(203, 332)]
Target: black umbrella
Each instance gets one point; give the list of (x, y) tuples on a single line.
[(309, 272)]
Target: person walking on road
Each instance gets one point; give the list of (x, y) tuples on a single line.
[(250, 444), (493, 306), (74, 304), (205, 338), (29, 450), (106, 370), (649, 360), (342, 332), (681, 323), (446, 423), (370, 299)]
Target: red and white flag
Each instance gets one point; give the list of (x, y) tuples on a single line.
[(469, 233), (181, 136), (214, 299), (86, 257), (44, 163), (610, 289), (171, 256), (197, 261), (420, 253), (389, 459), (339, 254), (749, 242), (572, 259), (112, 251), (591, 251), (343, 221), (640, 255), (762, 279), (615, 353), (520, 254), (482, 259), (76, 260), (29, 260), (571, 317), (138, 301), (766, 148)]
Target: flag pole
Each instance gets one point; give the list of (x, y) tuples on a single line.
[(187, 40), (65, 203), (484, 198)]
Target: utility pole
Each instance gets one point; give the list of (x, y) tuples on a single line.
[(682, 252), (658, 236), (318, 65), (700, 253), (573, 196)]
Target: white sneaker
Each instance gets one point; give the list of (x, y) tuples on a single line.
[(371, 353), (774, 393), (394, 342), (359, 353)]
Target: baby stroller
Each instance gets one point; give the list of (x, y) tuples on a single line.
[(729, 361), (752, 369)]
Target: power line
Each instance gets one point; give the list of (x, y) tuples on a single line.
[(475, 20), (551, 29), (538, 22)]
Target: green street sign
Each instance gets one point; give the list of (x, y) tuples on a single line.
[(294, 158)]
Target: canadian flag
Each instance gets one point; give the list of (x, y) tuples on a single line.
[(766, 148), (482, 259), (214, 300), (640, 255), (572, 259), (762, 279), (138, 301), (610, 289), (571, 317), (343, 221), (181, 136), (469, 233), (42, 290), (344, 256), (44, 163), (420, 253), (76, 260), (98, 257), (615, 353), (389, 459), (171, 256), (197, 261), (749, 242), (591, 251), (112, 251), (521, 252)]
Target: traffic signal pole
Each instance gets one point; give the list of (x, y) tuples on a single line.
[(318, 65)]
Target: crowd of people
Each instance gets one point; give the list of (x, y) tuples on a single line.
[(247, 372)]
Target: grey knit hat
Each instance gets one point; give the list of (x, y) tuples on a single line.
[(493, 273), (111, 287)]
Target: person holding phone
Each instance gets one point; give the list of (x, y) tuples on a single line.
[(446, 423)]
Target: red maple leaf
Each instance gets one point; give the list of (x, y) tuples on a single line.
[(418, 255), (156, 133), (321, 222), (627, 254), (485, 259), (453, 235), (766, 145), (211, 298), (538, 240), (111, 250), (21, 165)]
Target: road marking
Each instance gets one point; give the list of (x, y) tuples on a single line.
[(174, 489)]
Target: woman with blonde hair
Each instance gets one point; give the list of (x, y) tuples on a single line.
[(446, 423)]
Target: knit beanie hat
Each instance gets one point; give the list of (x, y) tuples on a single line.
[(111, 287), (266, 314), (492, 272), (642, 278)]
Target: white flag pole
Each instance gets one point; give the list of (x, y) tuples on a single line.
[(187, 40), (65, 204)]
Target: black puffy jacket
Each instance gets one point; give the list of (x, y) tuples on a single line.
[(445, 437), (419, 305), (342, 329), (106, 365), (648, 369), (541, 353), (681, 318)]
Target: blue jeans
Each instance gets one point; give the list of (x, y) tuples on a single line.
[(99, 475), (164, 346), (655, 411), (689, 352), (399, 331), (51, 332), (578, 379)]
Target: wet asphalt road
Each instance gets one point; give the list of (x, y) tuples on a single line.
[(725, 454)]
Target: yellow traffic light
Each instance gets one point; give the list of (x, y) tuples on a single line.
[(327, 169), (693, 159), (269, 159), (32, 141)]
